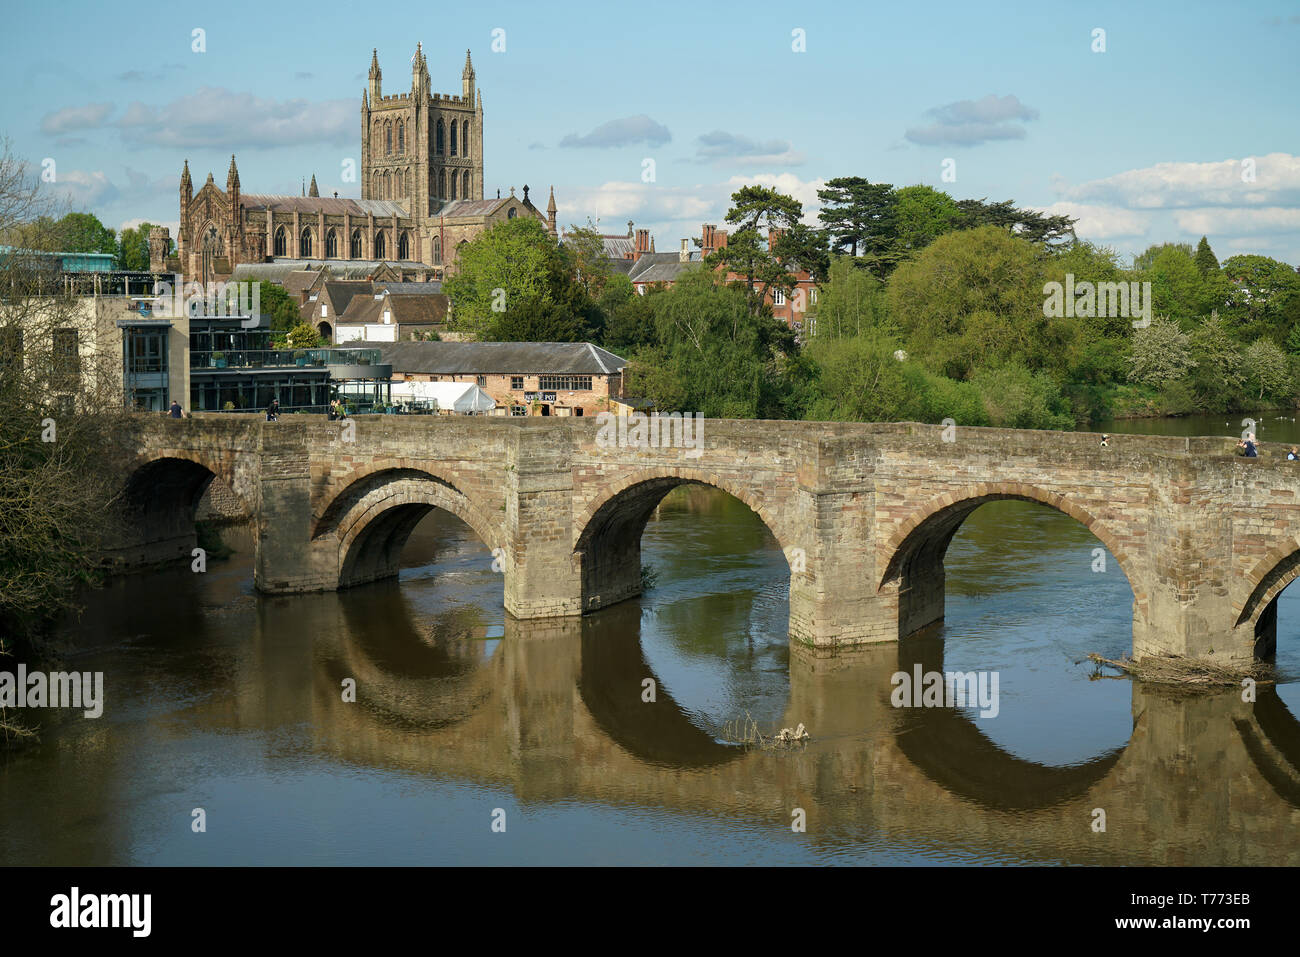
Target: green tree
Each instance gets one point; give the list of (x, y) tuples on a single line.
[(755, 212), (859, 216), (84, 233), (1162, 352), (923, 214), (514, 262), (1206, 261), (303, 336), (974, 299), (851, 303), (1268, 371), (133, 248), (586, 256), (1219, 378)]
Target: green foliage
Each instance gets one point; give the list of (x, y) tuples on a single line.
[(515, 263), (852, 302), (922, 215), (303, 336), (1162, 352), (1206, 261), (1015, 398), (274, 302)]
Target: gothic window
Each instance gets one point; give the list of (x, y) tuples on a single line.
[(374, 186), (453, 137), (464, 140), (388, 137), (453, 185), (437, 251), (403, 246), (464, 192), (388, 184), (442, 184), (331, 245), (510, 213), (380, 246), (304, 247), (356, 244), (438, 143), (280, 242), (401, 137)]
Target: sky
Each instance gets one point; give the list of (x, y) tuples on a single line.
[(1157, 122)]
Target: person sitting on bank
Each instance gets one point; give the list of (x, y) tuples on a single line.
[(1249, 449), (273, 410), (1105, 441), (1293, 455), (333, 410), (175, 411)]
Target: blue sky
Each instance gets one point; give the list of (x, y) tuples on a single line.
[(1144, 141)]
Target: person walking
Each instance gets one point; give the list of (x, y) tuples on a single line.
[(175, 409), (273, 410)]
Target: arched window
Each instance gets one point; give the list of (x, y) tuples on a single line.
[(438, 140), (280, 241), (388, 137), (510, 213), (464, 190), (453, 185), (464, 140), (388, 184), (331, 245), (403, 246), (401, 137), (453, 137), (442, 184), (380, 246), (356, 244), (304, 244), (374, 185), (437, 251)]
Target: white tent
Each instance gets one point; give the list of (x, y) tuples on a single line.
[(450, 396)]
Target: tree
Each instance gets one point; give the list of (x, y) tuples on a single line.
[(859, 215), (515, 262), (1268, 372), (1205, 258), (757, 211), (923, 214), (1219, 377), (974, 298), (60, 417), (1025, 223), (586, 255), (851, 303), (1162, 352), (303, 336), (133, 248), (84, 233)]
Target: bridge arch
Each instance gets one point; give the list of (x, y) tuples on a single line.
[(607, 534), (158, 503), (1256, 605), (914, 553), (373, 516)]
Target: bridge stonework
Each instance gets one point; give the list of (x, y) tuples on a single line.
[(863, 512)]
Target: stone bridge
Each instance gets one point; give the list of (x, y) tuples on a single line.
[(863, 512)]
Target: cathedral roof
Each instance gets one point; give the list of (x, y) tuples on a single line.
[(330, 206), (471, 207)]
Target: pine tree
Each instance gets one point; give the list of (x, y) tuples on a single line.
[(1205, 258)]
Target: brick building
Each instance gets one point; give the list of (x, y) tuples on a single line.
[(524, 378)]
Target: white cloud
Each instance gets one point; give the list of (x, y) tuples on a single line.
[(1099, 223), (1276, 181), (971, 122), (628, 131), (221, 119), (74, 118)]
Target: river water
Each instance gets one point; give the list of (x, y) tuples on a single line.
[(474, 738)]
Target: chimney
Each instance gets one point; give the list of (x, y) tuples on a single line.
[(773, 234), (685, 254), (706, 238), (642, 243)]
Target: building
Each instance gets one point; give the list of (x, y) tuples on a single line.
[(391, 312), (422, 196), (524, 378), (634, 256)]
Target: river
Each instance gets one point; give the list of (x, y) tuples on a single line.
[(474, 738)]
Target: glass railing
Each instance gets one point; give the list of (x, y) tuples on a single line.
[(281, 358)]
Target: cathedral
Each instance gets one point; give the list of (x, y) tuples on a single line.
[(422, 197)]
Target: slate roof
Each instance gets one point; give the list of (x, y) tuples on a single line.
[(470, 207), (658, 267), (380, 208), (411, 308), (341, 292), (501, 358), (338, 268), (419, 288)]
